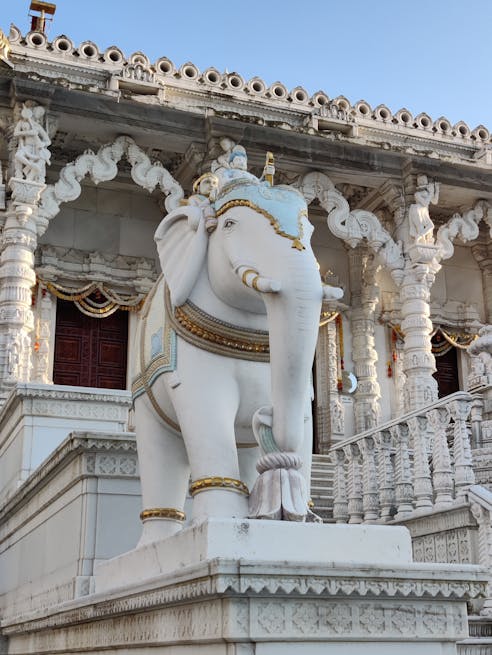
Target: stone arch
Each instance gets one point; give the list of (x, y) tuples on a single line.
[(103, 166)]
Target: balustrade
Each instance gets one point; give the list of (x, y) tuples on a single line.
[(407, 467)]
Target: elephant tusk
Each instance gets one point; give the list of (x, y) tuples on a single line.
[(252, 279)]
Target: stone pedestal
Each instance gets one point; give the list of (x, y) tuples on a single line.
[(36, 418), (240, 587)]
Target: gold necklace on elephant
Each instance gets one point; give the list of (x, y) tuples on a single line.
[(208, 333)]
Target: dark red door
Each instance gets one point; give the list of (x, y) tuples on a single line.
[(90, 352), (447, 373)]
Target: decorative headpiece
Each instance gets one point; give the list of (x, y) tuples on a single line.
[(231, 185)]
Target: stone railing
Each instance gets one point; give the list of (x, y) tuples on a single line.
[(416, 464)]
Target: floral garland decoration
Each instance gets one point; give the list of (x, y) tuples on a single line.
[(95, 299)]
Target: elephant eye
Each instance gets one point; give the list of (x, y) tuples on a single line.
[(229, 223)]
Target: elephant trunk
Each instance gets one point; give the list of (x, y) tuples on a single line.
[(293, 318)]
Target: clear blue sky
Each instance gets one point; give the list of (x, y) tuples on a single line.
[(425, 55)]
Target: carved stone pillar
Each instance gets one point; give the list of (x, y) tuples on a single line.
[(28, 146), (365, 296), (418, 361), (43, 329), (328, 408), (16, 280), (483, 256)]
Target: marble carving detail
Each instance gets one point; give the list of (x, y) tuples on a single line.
[(29, 157), (351, 226), (329, 408), (64, 62), (365, 297), (464, 226), (102, 166), (413, 266), (355, 228)]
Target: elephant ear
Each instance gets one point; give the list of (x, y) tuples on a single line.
[(182, 240)]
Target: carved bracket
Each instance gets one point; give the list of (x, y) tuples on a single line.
[(102, 167), (351, 226), (464, 226)]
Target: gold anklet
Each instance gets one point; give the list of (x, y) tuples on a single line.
[(162, 513), (203, 484)]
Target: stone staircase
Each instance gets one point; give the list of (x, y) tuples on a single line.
[(322, 487), (480, 640), (425, 472), (480, 627)]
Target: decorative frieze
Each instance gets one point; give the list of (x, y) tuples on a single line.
[(110, 73)]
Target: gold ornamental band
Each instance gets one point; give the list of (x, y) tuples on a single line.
[(218, 483), (246, 273), (162, 513)]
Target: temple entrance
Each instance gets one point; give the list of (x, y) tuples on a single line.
[(447, 369), (90, 352)]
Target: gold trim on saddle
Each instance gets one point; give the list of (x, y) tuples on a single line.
[(230, 484), (208, 333)]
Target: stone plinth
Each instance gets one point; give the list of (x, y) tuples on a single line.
[(262, 541), (36, 418), (239, 587), (79, 507)]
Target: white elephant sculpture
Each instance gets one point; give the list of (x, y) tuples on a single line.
[(226, 346)]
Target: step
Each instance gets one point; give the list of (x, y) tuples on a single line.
[(480, 627), (474, 647)]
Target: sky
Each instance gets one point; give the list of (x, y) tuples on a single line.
[(424, 55)]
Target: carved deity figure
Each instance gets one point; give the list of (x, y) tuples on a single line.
[(4, 47), (32, 152), (421, 227), (232, 164), (481, 364), (13, 357), (337, 418)]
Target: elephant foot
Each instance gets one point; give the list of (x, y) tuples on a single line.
[(280, 491), (219, 503), (157, 529)]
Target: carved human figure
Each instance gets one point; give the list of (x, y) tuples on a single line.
[(336, 417), (4, 47), (232, 164), (32, 154), (421, 227), (13, 357)]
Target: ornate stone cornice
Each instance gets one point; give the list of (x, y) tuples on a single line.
[(86, 67), (249, 579), (66, 265)]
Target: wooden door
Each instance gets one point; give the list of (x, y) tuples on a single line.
[(90, 352), (447, 373)]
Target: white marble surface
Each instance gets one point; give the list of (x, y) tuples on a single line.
[(264, 541), (244, 605), (36, 418)]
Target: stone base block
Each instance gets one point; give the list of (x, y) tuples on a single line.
[(236, 602), (261, 541)]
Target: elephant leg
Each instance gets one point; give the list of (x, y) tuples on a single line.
[(164, 474), (208, 432)]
